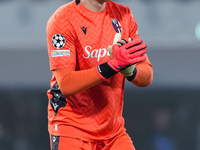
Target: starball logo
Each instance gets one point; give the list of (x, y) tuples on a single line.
[(95, 53)]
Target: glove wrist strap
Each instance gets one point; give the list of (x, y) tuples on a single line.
[(106, 71), (131, 78)]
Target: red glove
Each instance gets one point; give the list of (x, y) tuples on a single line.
[(124, 56), (128, 54)]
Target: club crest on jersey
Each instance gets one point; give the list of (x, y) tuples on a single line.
[(116, 26), (58, 41)]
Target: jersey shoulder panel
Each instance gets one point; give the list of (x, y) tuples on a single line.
[(123, 9), (63, 12), (124, 15), (61, 38)]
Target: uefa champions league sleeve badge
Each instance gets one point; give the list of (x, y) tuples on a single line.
[(58, 41)]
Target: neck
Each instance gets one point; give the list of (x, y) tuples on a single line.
[(94, 5)]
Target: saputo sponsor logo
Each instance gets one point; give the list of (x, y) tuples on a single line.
[(95, 53)]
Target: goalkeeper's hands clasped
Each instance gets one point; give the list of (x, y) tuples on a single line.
[(117, 40), (128, 54), (124, 56)]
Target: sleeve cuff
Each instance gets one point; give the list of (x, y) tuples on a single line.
[(134, 76), (106, 71)]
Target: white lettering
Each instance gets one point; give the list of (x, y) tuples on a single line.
[(99, 55), (95, 53), (87, 51)]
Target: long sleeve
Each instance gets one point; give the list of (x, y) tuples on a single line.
[(144, 75), (71, 82)]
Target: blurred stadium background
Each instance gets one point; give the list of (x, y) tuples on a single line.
[(163, 116)]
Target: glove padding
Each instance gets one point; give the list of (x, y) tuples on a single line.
[(128, 54), (129, 70), (124, 55), (117, 40)]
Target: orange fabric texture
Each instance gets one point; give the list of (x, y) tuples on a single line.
[(92, 109), (72, 82), (121, 142), (144, 74)]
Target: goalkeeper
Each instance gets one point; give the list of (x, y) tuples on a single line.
[(89, 69)]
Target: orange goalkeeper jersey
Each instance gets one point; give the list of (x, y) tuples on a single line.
[(78, 38)]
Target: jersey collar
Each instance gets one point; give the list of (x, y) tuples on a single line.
[(77, 2)]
